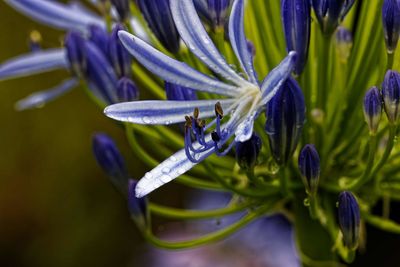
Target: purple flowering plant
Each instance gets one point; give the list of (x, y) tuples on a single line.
[(266, 100)]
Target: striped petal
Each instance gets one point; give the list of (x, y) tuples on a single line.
[(32, 63), (196, 38), (164, 112), (245, 129), (39, 99), (168, 170), (238, 40), (277, 76), (55, 14), (171, 70)]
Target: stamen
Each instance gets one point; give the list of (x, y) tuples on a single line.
[(219, 112)]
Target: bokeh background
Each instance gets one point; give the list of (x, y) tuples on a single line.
[(56, 206)]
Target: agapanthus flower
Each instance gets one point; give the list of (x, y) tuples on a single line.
[(246, 98)]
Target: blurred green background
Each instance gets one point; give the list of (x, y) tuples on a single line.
[(56, 206)]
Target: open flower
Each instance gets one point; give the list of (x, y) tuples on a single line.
[(242, 98)]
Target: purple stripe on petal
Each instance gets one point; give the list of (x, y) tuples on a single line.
[(172, 70), (239, 42), (32, 63), (38, 99)]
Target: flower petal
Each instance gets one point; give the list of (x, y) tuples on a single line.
[(164, 112), (245, 129), (277, 76), (196, 38), (31, 63), (39, 99), (168, 170), (171, 70), (238, 40), (55, 14)]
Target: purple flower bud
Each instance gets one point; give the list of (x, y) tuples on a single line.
[(247, 152), (349, 219), (123, 9), (75, 47), (137, 206), (296, 20), (309, 168), (391, 95), (373, 109), (391, 23), (119, 57), (344, 43), (215, 12), (285, 119), (127, 90), (159, 18), (110, 160), (330, 12), (99, 37), (100, 74), (180, 93)]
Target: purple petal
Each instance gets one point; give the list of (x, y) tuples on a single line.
[(172, 70), (39, 99), (277, 77), (55, 14), (238, 40), (32, 63), (164, 112), (196, 38)]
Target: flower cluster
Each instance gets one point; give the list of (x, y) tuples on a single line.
[(259, 98)]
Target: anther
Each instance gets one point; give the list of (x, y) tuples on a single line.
[(196, 113), (218, 110)]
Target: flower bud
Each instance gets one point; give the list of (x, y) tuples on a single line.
[(214, 12), (75, 47), (123, 9), (159, 18), (247, 152), (119, 57), (296, 20), (127, 90), (100, 75), (110, 160), (391, 23), (285, 119), (137, 206), (344, 43), (309, 168), (373, 109), (391, 95), (180, 93), (330, 13), (349, 219), (99, 37)]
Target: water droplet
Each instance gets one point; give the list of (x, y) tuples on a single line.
[(306, 202), (146, 120), (166, 170), (173, 158), (165, 178), (148, 175)]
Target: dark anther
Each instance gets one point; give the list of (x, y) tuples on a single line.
[(188, 123), (196, 113), (218, 110), (215, 137)]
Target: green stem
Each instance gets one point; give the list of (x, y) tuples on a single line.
[(368, 167), (212, 237), (174, 213), (390, 59)]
